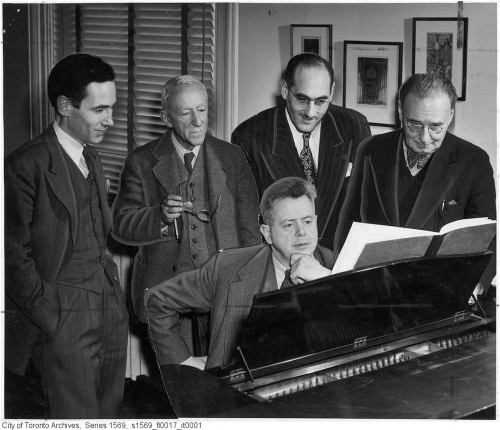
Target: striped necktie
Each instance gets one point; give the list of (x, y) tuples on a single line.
[(90, 164)]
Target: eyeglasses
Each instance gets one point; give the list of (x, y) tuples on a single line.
[(202, 214), (417, 127), (303, 101)]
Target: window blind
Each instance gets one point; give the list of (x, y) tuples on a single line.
[(143, 44)]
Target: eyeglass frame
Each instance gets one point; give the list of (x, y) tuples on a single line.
[(307, 101), (410, 126), (195, 212)]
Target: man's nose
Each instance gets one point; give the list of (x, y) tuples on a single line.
[(109, 118), (311, 109), (425, 136), (300, 231), (196, 119)]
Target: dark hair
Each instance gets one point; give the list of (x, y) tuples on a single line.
[(424, 85), (305, 60), (290, 187), (71, 76)]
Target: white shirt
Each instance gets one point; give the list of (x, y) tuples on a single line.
[(72, 147), (181, 150), (299, 139)]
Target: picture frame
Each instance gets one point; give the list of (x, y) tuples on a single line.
[(311, 38), (372, 77), (440, 45)]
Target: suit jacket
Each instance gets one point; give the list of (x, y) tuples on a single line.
[(41, 222), (458, 184), (268, 144), (149, 175), (225, 285)]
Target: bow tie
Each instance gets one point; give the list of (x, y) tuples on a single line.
[(416, 158)]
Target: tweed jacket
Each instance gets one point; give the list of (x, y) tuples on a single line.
[(41, 222), (267, 141), (226, 286), (149, 175), (458, 184)]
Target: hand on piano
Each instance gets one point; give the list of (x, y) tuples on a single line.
[(198, 362), (306, 268)]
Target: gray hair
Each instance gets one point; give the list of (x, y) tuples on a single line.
[(425, 85), (172, 84), (290, 187)]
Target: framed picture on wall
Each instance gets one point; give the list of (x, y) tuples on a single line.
[(372, 77), (440, 46), (311, 38)]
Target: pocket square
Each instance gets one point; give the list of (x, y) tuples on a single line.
[(349, 168), (451, 203)]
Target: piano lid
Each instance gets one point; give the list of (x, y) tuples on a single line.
[(291, 327)]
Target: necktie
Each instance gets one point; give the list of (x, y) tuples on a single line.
[(90, 164), (307, 160), (188, 159), (416, 158), (287, 282)]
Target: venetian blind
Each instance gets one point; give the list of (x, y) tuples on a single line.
[(146, 44)]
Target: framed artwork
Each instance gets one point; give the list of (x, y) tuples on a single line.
[(372, 77), (440, 46), (311, 38)]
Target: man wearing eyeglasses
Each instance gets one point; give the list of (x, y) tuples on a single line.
[(309, 138), (420, 176), (183, 196)]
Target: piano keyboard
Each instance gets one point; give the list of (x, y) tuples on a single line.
[(376, 362)]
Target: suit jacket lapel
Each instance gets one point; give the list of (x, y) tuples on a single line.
[(443, 170), (216, 174), (332, 167), (283, 161), (166, 171), (58, 177)]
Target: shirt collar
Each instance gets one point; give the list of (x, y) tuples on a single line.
[(70, 145), (297, 135), (181, 150)]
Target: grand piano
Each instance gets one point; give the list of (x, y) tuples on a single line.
[(399, 340)]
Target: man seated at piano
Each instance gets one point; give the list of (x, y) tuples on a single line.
[(228, 282), (420, 176)]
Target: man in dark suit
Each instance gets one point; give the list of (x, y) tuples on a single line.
[(228, 282), (181, 210), (309, 138), (64, 304), (420, 176)]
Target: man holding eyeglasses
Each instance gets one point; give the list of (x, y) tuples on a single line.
[(309, 138), (420, 176), (183, 196)]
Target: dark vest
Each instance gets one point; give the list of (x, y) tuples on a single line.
[(198, 239), (84, 269)]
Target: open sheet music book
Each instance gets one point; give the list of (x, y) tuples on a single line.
[(371, 244)]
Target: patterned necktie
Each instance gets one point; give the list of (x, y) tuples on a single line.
[(416, 158), (307, 160), (90, 164), (188, 159), (287, 282)]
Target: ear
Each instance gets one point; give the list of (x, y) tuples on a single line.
[(452, 113), (266, 232), (64, 106), (400, 111), (284, 89), (164, 118), (333, 89)]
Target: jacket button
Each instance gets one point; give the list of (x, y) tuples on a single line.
[(192, 199), (174, 269), (191, 184), (194, 227), (195, 256), (195, 241)]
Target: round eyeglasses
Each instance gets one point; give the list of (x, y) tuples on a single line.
[(303, 101), (417, 127)]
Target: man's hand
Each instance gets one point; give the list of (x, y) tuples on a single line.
[(306, 268), (172, 208), (198, 362)]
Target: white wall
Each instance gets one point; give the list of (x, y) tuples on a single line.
[(264, 50)]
